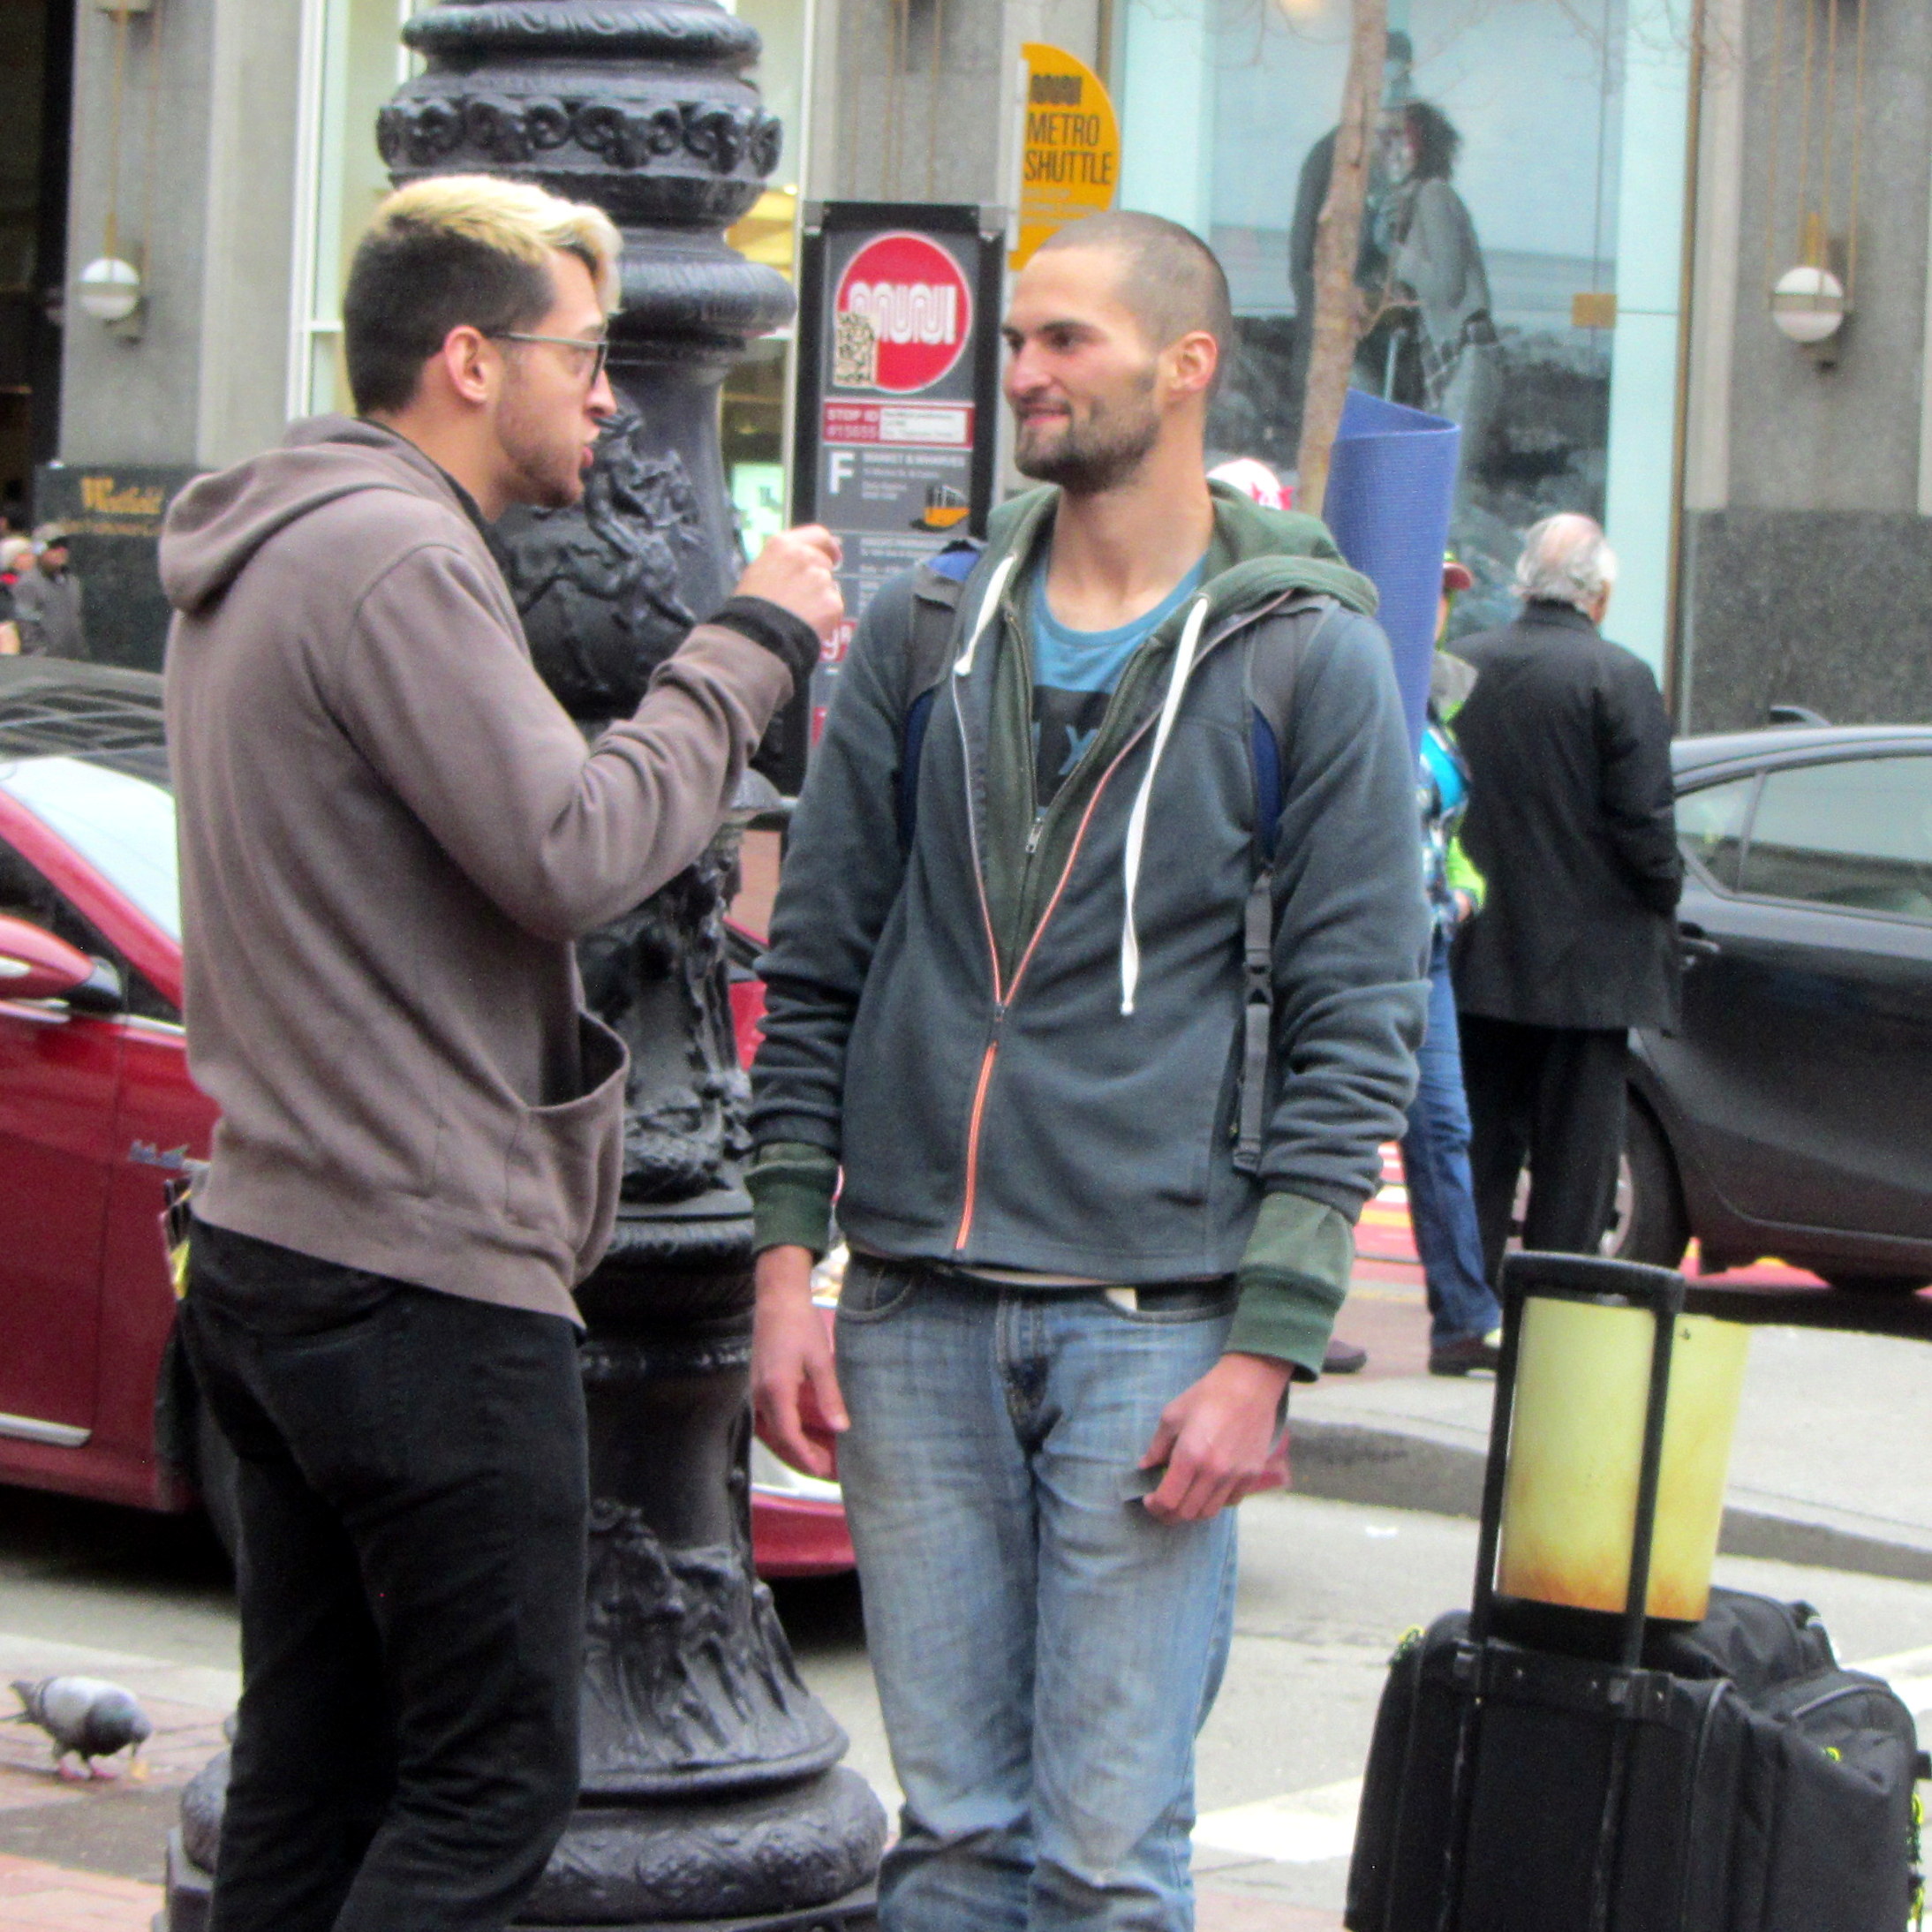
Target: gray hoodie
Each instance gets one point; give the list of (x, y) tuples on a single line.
[(390, 834)]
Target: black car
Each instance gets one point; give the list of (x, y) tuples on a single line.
[(1791, 1112)]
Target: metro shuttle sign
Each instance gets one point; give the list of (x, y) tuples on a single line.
[(902, 317)]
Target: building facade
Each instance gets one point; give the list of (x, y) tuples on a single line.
[(1579, 210)]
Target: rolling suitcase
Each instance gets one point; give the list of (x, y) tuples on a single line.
[(1557, 1776)]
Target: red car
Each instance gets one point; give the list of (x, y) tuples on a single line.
[(98, 1114)]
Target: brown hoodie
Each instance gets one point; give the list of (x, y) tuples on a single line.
[(390, 834)]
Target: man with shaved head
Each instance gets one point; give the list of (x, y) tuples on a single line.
[(1097, 968), (1572, 823)]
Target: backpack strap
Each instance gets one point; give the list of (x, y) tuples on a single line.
[(937, 584), (1270, 696)]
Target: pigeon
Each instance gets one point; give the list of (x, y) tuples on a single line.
[(86, 1716)]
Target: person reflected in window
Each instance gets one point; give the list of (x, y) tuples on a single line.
[(1386, 341), (1435, 268)]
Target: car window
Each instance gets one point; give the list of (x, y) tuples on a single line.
[(1710, 826), (1855, 833), (123, 825), (25, 894)]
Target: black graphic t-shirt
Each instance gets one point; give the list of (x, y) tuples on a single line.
[(1074, 673)]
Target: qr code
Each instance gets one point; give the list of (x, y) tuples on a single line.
[(855, 351)]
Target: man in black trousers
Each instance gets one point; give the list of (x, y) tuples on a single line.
[(1571, 822)]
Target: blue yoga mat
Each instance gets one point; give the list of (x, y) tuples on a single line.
[(1391, 482)]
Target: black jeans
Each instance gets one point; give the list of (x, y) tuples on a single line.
[(1554, 1095), (412, 1500)]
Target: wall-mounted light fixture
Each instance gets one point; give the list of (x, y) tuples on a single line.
[(1811, 300), (110, 289), (1808, 306)]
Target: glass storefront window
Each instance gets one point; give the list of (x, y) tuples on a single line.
[(754, 407), (354, 60), (1520, 262)]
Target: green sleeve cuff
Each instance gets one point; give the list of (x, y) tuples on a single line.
[(1292, 1279), (791, 1184)]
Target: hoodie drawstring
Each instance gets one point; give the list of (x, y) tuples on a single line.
[(989, 605), (1136, 824)]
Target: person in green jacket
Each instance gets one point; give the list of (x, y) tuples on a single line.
[(1465, 1318), (1104, 1112)]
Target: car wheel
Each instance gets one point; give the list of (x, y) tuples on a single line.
[(1874, 1284), (1649, 1223), (216, 1475)]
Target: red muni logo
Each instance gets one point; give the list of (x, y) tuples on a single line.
[(902, 316)]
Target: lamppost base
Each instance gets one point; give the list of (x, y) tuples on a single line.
[(821, 1835), (856, 1911), (189, 1889)]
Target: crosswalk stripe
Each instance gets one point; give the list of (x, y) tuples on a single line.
[(1301, 1827)]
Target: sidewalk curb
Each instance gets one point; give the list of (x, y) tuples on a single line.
[(1394, 1468)]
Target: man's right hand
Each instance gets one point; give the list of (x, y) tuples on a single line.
[(794, 571), (795, 1389)]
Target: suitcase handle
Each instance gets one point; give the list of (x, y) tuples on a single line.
[(1619, 1284)]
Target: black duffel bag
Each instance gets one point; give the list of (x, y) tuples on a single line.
[(1539, 1772)]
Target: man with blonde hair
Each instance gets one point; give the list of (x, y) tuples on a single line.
[(390, 834)]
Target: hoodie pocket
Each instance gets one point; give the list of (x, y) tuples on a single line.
[(566, 1159)]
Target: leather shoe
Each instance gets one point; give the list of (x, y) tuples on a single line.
[(1343, 1358), (1473, 1352)]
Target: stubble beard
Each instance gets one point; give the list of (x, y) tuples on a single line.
[(544, 461), (1088, 458)]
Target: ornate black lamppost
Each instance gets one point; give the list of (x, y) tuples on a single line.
[(711, 1790)]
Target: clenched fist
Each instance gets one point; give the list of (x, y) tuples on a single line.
[(794, 571)]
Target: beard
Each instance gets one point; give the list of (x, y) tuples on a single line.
[(1088, 457), (545, 456)]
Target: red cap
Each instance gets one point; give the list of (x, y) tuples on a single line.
[(1455, 575)]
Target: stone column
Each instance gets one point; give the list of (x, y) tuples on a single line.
[(711, 1788)]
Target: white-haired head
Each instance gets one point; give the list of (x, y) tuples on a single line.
[(1566, 559)]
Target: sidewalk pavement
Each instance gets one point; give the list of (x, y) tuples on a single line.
[(1831, 1464), (105, 1831), (37, 1898)]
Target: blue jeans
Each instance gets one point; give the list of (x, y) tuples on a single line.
[(1044, 1650), (1436, 1171)]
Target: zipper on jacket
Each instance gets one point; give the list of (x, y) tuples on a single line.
[(1003, 996), (972, 1131)]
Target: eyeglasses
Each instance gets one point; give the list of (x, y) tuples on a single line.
[(598, 351)]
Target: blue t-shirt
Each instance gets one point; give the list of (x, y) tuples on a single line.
[(1074, 673)]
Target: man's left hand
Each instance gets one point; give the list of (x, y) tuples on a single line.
[(1221, 1440)]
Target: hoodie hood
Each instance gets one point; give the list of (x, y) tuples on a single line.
[(1256, 557), (219, 522)]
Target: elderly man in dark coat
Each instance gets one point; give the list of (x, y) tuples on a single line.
[(1571, 820)]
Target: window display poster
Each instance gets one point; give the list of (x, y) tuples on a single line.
[(1488, 248), (898, 386)]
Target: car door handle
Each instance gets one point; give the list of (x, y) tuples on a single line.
[(1695, 944)]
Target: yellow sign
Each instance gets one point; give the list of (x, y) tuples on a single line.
[(1070, 146)]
